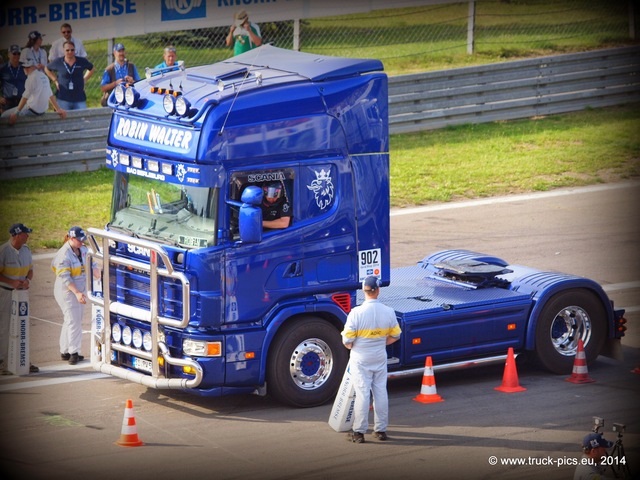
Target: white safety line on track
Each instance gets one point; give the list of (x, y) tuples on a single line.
[(49, 381), (513, 198)]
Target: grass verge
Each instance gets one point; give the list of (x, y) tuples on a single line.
[(469, 161)]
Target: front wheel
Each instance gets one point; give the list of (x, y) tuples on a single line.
[(306, 363), (567, 318)]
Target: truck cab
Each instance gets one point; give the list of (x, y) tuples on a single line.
[(192, 270)]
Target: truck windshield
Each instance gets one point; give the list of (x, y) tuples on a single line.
[(176, 214)]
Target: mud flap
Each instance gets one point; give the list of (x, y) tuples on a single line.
[(613, 349)]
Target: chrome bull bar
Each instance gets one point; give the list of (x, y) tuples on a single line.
[(101, 340)]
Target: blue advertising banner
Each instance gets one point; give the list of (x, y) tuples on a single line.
[(103, 19)]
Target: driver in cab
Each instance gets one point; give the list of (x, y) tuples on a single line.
[(276, 209)]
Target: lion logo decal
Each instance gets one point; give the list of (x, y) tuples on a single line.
[(323, 189)]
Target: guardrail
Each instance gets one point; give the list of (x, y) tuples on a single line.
[(46, 145), (511, 90)]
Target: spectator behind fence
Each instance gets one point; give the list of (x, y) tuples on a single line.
[(119, 71), (57, 47), (243, 34), (34, 51), (36, 97), (70, 73), (12, 79), (169, 57)]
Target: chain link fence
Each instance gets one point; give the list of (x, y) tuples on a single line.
[(408, 40)]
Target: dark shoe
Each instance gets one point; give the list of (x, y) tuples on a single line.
[(355, 437), (382, 436), (65, 356), (33, 369), (75, 358)]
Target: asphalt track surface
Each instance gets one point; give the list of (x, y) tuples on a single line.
[(62, 423)]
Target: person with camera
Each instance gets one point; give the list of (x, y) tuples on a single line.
[(121, 70), (369, 328), (591, 467), (243, 34)]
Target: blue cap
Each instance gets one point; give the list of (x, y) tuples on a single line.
[(77, 232), (18, 228), (595, 440), (118, 46), (371, 283)]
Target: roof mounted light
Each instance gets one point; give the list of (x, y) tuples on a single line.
[(182, 106), (119, 93), (131, 96), (169, 104)]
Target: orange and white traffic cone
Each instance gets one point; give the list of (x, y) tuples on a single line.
[(428, 393), (129, 434), (580, 373), (510, 382)]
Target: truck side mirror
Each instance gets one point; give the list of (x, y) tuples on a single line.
[(250, 219)]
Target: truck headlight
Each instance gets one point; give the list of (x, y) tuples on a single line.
[(146, 341), (126, 336), (116, 332), (198, 348), (137, 338)]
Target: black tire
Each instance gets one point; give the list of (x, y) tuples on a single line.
[(567, 317), (306, 363)]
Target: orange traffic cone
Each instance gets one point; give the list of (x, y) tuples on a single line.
[(428, 389), (129, 434), (580, 373), (510, 377)]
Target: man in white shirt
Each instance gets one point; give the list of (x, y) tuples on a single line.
[(57, 47), (369, 328), (36, 97)]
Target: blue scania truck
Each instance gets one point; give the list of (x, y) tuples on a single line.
[(197, 295)]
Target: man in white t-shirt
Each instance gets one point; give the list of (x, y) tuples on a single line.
[(36, 97), (57, 47)]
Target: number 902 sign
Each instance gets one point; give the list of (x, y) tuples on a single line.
[(369, 263)]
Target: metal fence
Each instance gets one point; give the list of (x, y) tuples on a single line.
[(518, 89), (408, 39)]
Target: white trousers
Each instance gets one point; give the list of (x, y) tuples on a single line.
[(370, 379), (71, 334)]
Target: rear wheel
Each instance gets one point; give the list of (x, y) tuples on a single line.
[(306, 363), (565, 319)]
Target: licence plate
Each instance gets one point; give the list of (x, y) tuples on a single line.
[(141, 364)]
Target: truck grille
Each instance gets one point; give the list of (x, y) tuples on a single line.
[(133, 288)]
